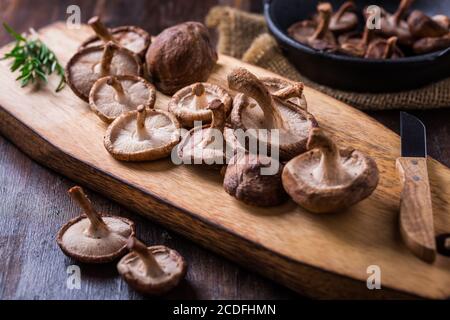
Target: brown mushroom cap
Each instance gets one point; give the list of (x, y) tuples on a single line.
[(180, 56), (205, 145), (344, 19), (256, 109), (153, 270), (190, 103), (384, 49), (426, 45), (327, 179), (289, 91), (245, 181), (316, 34), (355, 44), (94, 238), (93, 63), (132, 38), (142, 135), (443, 20), (393, 25), (422, 26), (112, 96)]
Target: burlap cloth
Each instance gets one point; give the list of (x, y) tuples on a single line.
[(245, 36)]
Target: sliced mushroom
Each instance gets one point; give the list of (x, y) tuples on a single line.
[(384, 49), (93, 63), (422, 26), (316, 35), (205, 145), (426, 45), (94, 238), (153, 270), (142, 135), (132, 38), (393, 25), (190, 103), (288, 91), (245, 180), (344, 19), (112, 96), (257, 109), (327, 179)]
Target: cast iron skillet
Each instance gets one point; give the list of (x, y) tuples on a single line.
[(356, 74)]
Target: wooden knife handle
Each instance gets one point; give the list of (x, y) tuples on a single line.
[(416, 212)]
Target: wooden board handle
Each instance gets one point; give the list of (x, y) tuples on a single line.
[(416, 212)]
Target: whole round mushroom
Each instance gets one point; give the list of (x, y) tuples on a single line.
[(189, 105), (327, 179), (206, 145), (93, 63), (94, 238), (394, 25), (247, 182), (112, 96), (286, 90), (317, 35), (151, 270), (142, 135), (256, 109), (345, 19), (384, 49), (180, 56), (133, 38)]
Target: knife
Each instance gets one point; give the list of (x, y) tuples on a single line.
[(416, 212)]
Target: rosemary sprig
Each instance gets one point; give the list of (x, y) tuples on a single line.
[(33, 59)]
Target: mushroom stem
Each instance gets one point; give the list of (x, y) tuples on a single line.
[(403, 7), (120, 92), (140, 123), (325, 12), (100, 29), (218, 119), (293, 91), (98, 226), (347, 6), (390, 47), (247, 83), (330, 168), (200, 99), (152, 268), (108, 54)]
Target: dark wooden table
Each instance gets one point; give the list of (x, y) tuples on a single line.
[(34, 203)]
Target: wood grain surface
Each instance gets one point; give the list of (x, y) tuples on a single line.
[(280, 243), (28, 190)]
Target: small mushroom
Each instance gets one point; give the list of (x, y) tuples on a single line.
[(288, 91), (327, 179), (443, 20), (426, 45), (384, 49), (205, 145), (344, 19), (356, 44), (393, 25), (422, 26), (142, 135), (190, 103), (153, 270), (245, 181), (93, 63), (180, 56), (255, 108), (112, 96), (132, 38), (94, 238), (316, 35)]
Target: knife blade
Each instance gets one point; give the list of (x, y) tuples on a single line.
[(416, 212)]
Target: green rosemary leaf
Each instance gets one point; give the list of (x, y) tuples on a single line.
[(14, 34)]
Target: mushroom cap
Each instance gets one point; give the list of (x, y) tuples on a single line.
[(76, 244), (302, 30), (422, 26), (393, 25), (83, 69), (292, 139), (123, 143), (132, 269), (377, 48), (184, 108), (181, 55), (309, 191), (133, 38), (274, 84), (244, 181), (347, 21), (106, 104), (426, 45), (443, 20)]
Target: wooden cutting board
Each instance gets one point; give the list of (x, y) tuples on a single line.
[(318, 255)]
